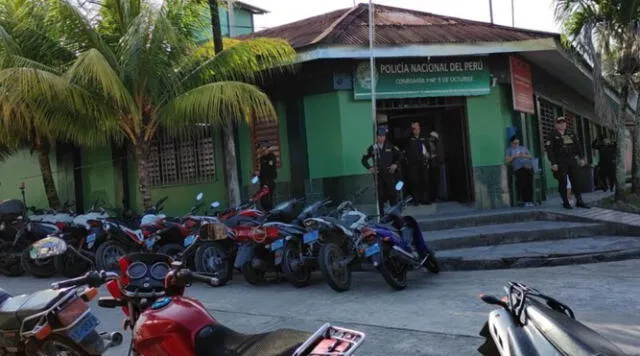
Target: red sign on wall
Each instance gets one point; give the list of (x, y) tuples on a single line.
[(521, 85)]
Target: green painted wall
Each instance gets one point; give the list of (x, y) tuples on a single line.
[(243, 23), (324, 136), (245, 148), (24, 167), (488, 117), (99, 177), (357, 131)]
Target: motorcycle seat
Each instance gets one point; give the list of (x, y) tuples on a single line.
[(15, 309), (568, 335), (218, 340)]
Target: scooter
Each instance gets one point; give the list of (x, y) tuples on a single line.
[(396, 244), (529, 323), (150, 290)]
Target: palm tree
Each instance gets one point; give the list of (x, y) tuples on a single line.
[(138, 65), (600, 28), (30, 50)]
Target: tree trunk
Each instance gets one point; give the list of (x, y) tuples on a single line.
[(635, 173), (230, 162), (47, 176), (620, 142), (142, 153)]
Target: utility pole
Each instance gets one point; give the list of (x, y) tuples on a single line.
[(372, 73), (491, 10), (513, 14)]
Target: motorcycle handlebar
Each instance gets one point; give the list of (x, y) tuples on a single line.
[(91, 278), (212, 281)]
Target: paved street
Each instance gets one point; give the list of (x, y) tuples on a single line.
[(436, 315)]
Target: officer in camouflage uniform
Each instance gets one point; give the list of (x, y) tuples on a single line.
[(566, 156), (387, 158)]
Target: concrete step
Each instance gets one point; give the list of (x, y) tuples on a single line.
[(477, 218), (542, 253), (499, 234)]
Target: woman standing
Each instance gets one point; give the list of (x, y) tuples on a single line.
[(520, 160)]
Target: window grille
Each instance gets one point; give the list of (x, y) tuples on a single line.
[(265, 131), (182, 160)]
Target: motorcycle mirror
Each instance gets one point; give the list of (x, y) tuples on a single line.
[(199, 196), (48, 247), (399, 186), (215, 204), (489, 299), (255, 180)]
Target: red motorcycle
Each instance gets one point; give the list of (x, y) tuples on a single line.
[(150, 290)]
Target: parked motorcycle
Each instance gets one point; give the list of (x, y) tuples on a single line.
[(396, 244), (336, 235), (55, 321), (150, 291), (529, 323)]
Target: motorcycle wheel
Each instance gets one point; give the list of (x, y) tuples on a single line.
[(56, 344), (338, 277), (41, 269), (70, 265), (299, 276), (108, 254), (171, 250), (432, 264), (392, 270), (252, 275), (10, 266), (211, 258)]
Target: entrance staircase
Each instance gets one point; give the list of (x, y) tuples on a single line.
[(521, 238)]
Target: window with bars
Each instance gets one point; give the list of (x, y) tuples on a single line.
[(263, 131), (182, 161), (548, 114)]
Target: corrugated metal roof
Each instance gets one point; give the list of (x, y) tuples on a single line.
[(394, 26)]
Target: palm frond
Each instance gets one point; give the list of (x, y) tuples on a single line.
[(246, 61), (216, 104)]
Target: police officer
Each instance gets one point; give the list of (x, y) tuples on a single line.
[(565, 153), (607, 164), (268, 173), (387, 158), (416, 154), (434, 164)]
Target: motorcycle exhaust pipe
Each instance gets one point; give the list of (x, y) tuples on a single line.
[(112, 339), (404, 256)]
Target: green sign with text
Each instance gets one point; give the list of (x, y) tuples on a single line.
[(420, 77)]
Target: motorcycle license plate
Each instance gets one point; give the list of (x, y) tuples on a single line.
[(310, 236), (189, 240), (91, 239), (83, 328), (372, 250), (277, 245)]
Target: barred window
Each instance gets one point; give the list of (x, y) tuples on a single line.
[(547, 115), (265, 131), (182, 161)]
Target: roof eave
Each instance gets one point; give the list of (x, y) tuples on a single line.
[(253, 9), (424, 50)]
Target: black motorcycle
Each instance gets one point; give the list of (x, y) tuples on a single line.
[(530, 323)]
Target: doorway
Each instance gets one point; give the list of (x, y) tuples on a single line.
[(450, 122)]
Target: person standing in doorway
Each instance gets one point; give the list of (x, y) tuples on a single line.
[(434, 164), (416, 154), (267, 173), (607, 165), (387, 157), (566, 156), (520, 159)]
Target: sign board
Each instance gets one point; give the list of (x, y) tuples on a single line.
[(521, 85), (421, 77)]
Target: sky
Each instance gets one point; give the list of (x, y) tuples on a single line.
[(530, 14)]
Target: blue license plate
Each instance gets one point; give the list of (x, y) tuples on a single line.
[(189, 240), (91, 239), (372, 250), (311, 236), (276, 245), (83, 327)]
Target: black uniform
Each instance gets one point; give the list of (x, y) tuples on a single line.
[(607, 164), (565, 151), (268, 175), (388, 155), (417, 167), (433, 167)]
